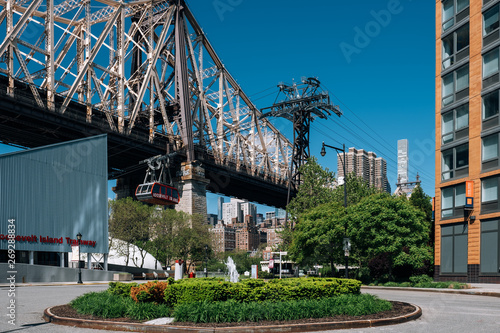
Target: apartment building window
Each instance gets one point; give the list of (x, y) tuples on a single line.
[(453, 201), (490, 249), (455, 124), (455, 162), (490, 68), (454, 11), (454, 248), (455, 85), (489, 195), (456, 46), (490, 109), (490, 25), (489, 152)]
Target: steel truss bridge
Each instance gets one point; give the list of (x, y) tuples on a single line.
[(144, 73)]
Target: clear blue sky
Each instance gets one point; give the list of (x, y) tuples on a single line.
[(375, 57), (382, 77)]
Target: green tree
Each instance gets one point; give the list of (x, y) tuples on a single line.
[(385, 225), (357, 189), (196, 240), (318, 235), (422, 201), (129, 221), (178, 235), (166, 226), (316, 188)]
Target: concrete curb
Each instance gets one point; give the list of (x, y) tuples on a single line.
[(438, 290), (48, 316)]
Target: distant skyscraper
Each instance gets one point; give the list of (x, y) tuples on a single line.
[(220, 202), (402, 161), (280, 213), (366, 165), (238, 209)]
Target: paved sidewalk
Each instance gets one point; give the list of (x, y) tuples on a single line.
[(483, 289)]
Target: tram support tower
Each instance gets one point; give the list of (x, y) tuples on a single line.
[(303, 102)]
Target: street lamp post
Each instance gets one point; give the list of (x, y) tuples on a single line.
[(79, 238), (323, 153)]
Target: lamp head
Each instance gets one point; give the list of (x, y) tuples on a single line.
[(323, 151)]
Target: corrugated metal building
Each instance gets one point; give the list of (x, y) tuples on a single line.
[(50, 194)]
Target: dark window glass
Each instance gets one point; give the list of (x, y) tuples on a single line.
[(455, 84), (450, 10), (490, 20), (454, 44), (490, 249), (455, 162), (490, 105), (452, 201), (490, 195), (454, 248)]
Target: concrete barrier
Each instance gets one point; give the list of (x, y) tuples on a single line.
[(25, 273)]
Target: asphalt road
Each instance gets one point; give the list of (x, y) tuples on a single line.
[(441, 312)]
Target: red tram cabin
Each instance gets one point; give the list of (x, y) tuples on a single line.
[(157, 194)]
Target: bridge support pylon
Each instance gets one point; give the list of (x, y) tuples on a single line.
[(192, 186)]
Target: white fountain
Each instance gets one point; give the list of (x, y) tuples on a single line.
[(231, 267)]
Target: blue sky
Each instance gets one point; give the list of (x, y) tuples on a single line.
[(376, 58)]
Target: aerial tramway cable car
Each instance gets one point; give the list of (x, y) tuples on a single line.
[(153, 191)]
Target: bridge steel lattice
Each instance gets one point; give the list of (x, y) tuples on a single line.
[(138, 65)]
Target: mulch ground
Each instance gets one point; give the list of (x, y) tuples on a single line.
[(398, 309)]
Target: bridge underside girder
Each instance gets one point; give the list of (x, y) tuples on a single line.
[(22, 123)]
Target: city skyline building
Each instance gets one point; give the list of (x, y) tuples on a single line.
[(403, 184), (467, 205), (238, 209), (366, 165), (402, 161), (220, 203)]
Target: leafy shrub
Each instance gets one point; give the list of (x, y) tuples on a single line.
[(258, 290), (233, 311), (107, 305), (421, 279), (192, 290), (265, 275), (102, 304), (380, 266), (121, 288), (152, 291), (148, 311)]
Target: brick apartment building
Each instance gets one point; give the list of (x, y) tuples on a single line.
[(467, 205), (367, 165)]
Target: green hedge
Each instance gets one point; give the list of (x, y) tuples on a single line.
[(121, 288), (214, 290), (107, 305), (233, 311)]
